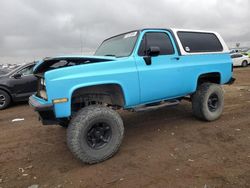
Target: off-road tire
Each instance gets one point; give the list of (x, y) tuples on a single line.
[(203, 99), (80, 126), (244, 63), (5, 100)]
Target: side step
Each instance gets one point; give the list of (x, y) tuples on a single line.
[(155, 107)]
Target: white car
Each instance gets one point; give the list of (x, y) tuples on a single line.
[(240, 60)]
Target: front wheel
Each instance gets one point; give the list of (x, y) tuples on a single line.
[(208, 102), (4, 100), (95, 134)]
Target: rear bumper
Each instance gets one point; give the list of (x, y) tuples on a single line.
[(45, 111)]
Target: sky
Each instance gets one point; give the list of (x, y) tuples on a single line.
[(34, 29)]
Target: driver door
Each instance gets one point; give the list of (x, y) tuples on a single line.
[(162, 79)]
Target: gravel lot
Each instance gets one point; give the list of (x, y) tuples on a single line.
[(163, 148)]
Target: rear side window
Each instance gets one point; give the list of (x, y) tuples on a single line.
[(236, 55), (156, 39), (199, 42)]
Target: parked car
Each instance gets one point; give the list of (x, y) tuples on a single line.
[(240, 60), (137, 71), (17, 85)]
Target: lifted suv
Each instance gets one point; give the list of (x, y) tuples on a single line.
[(138, 70)]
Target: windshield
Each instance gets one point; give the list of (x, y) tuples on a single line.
[(118, 46)]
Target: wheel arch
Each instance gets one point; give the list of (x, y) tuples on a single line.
[(212, 77), (109, 93), (7, 91), (244, 60)]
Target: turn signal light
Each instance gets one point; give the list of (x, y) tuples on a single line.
[(62, 100)]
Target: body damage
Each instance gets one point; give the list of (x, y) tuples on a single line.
[(66, 61), (68, 79)]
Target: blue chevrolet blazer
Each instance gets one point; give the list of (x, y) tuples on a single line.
[(138, 70)]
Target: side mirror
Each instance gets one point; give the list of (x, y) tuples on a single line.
[(17, 75), (153, 51)]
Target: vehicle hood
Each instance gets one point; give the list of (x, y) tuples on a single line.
[(53, 63)]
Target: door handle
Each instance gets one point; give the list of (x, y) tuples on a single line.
[(175, 58)]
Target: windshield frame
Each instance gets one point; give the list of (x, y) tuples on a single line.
[(133, 49)]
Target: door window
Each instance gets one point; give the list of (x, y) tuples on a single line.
[(156, 39), (234, 56), (26, 71)]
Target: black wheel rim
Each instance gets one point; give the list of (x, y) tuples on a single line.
[(99, 135), (213, 102), (2, 100)]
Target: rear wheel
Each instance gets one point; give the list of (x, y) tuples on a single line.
[(208, 102), (244, 63), (4, 100), (95, 134)]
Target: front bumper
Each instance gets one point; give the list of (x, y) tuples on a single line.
[(39, 106), (45, 111)]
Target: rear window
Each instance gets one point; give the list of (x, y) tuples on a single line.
[(199, 42)]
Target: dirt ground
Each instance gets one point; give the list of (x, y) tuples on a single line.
[(163, 148)]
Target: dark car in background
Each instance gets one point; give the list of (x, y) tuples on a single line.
[(17, 84)]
